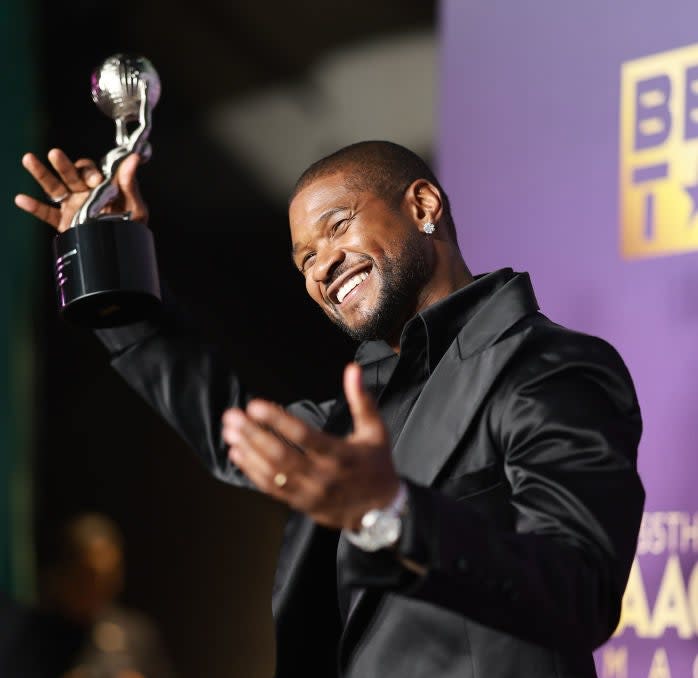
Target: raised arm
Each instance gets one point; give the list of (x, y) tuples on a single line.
[(164, 360)]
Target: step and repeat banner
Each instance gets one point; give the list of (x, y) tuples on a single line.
[(569, 148)]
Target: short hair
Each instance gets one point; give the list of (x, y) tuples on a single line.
[(384, 168)]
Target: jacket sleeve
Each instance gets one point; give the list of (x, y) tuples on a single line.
[(566, 425), (190, 384)]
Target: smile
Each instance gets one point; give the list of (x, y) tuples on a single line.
[(350, 284), (342, 288)]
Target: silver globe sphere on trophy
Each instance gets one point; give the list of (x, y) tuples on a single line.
[(105, 265)]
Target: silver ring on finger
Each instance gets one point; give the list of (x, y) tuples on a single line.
[(60, 198)]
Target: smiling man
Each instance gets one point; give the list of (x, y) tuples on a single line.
[(469, 505)]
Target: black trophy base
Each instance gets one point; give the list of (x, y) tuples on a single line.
[(106, 273)]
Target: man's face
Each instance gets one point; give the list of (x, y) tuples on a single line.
[(364, 262)]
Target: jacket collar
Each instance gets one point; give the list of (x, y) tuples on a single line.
[(462, 380), (441, 322)]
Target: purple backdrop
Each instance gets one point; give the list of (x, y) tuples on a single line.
[(561, 160)]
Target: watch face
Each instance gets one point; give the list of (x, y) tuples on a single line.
[(380, 529), (386, 529)]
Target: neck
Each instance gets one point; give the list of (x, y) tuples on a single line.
[(450, 273)]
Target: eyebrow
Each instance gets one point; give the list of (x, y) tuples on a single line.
[(323, 217)]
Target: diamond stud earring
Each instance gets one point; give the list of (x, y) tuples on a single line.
[(429, 228)]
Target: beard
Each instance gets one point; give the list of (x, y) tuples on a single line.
[(401, 278)]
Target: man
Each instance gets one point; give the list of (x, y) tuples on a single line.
[(469, 506), (79, 628)]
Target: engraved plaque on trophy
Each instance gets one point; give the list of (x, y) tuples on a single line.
[(105, 265)]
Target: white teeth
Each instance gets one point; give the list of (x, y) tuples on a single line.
[(350, 284)]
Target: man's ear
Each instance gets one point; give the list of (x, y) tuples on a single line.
[(423, 200)]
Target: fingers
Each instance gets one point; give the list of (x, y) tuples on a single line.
[(294, 431), (262, 456), (51, 215), (128, 184), (368, 424), (67, 190), (126, 174), (51, 185), (88, 171), (334, 480), (66, 171), (76, 177), (240, 429), (70, 185)]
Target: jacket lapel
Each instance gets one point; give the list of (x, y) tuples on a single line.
[(446, 407), (460, 383)]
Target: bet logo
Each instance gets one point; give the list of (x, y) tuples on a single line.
[(659, 154)]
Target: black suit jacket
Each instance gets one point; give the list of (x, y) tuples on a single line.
[(524, 502)]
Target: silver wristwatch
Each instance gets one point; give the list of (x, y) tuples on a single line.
[(381, 528)]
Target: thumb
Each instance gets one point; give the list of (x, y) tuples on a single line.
[(128, 185), (126, 174), (367, 421)]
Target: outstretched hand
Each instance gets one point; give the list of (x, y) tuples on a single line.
[(68, 188), (334, 480)]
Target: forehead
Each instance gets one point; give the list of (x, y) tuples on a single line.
[(318, 200)]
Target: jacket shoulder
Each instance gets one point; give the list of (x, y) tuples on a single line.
[(550, 349), (549, 341)]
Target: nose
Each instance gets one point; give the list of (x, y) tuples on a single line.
[(327, 259)]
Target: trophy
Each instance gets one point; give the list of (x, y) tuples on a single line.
[(105, 266)]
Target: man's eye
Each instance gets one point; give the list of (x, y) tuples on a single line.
[(340, 226), (307, 261)]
